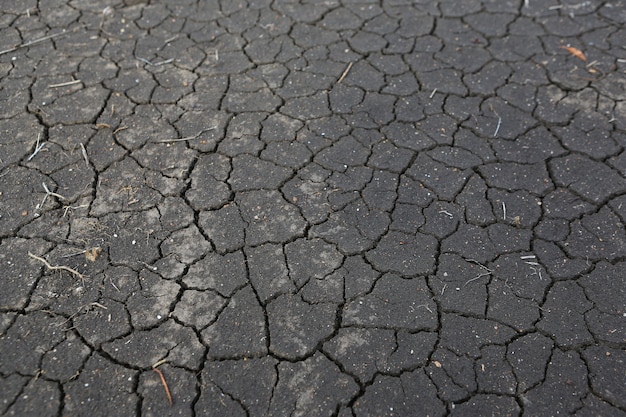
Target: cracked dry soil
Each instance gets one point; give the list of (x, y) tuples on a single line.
[(312, 208)]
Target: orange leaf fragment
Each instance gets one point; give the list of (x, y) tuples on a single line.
[(575, 51)]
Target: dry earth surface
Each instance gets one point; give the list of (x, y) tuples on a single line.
[(312, 208)]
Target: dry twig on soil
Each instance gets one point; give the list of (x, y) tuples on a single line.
[(84, 152), (345, 73), (165, 387), (48, 193), (38, 147), (33, 42), (197, 135), (65, 84)]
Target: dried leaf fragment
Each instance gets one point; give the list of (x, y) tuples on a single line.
[(575, 51), (93, 253)]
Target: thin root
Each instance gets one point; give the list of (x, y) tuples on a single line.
[(487, 272), (57, 267)]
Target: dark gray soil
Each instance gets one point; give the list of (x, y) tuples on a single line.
[(312, 208)]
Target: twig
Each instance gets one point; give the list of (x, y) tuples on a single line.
[(426, 307), (177, 140), (113, 284), (530, 260), (38, 147), (482, 274), (57, 267), (48, 192), (84, 152), (167, 61), (159, 363), (165, 42), (150, 267), (344, 73), (68, 208), (70, 317), (33, 42), (537, 271), (144, 60), (495, 134), (65, 84), (570, 6), (167, 389), (187, 137), (154, 64), (69, 255), (447, 213)]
